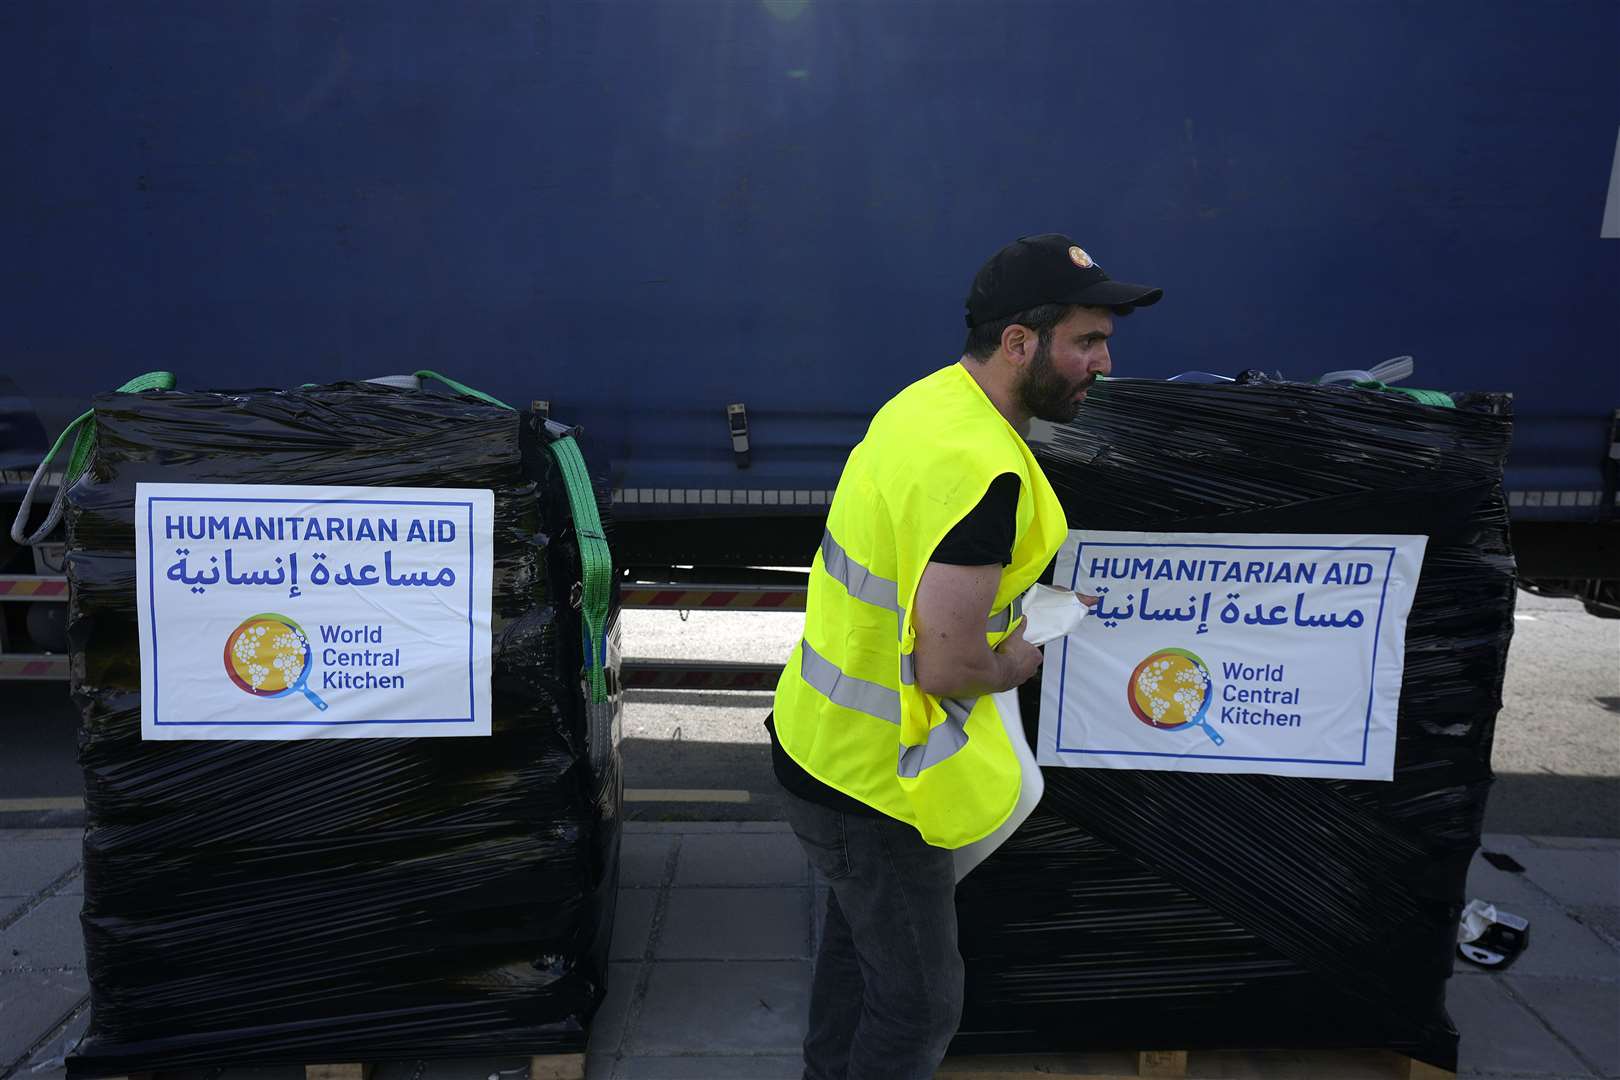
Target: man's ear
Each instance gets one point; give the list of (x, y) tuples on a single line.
[(1018, 342)]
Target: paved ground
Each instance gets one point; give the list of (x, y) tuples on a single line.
[(711, 961)]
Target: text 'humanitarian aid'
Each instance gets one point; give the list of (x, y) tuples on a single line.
[(280, 612), (1213, 652)]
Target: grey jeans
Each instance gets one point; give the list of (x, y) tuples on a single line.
[(887, 993)]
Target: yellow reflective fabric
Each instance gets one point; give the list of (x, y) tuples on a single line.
[(847, 709)]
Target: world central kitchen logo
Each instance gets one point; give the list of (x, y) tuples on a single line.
[(270, 656), (1172, 690)]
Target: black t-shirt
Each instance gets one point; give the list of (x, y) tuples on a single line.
[(982, 538)]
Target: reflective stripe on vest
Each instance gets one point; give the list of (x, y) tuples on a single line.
[(857, 580), (943, 739), (1003, 619), (882, 703), (847, 690)]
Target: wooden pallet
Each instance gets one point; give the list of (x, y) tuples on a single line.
[(1224, 1064), (541, 1067)]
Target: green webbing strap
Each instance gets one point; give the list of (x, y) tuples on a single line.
[(461, 388), (1438, 398), (84, 447), (596, 562)]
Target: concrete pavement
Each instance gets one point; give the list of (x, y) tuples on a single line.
[(711, 961)]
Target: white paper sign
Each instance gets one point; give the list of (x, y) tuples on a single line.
[(280, 612), (1210, 652)]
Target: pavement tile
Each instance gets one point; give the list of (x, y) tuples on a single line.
[(1579, 843), (632, 923), (30, 866), (734, 924), (742, 859), (1559, 945), (1601, 919), (1506, 889), (747, 1006), (47, 937), (607, 1026), (741, 1067), (1575, 877), (49, 1059), (1508, 842), (642, 858), (1501, 1036), (32, 1003), (1586, 1012)]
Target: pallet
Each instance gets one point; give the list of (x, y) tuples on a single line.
[(1225, 1064), (541, 1067)]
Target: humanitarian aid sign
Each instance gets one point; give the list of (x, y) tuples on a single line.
[(1210, 652), (280, 612)]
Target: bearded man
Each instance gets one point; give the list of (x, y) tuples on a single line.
[(884, 735)]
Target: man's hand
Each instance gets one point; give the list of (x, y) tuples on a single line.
[(1019, 659)]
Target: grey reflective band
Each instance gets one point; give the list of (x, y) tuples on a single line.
[(857, 580), (908, 669), (1004, 618), (847, 690), (943, 741)]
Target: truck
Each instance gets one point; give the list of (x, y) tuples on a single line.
[(714, 236)]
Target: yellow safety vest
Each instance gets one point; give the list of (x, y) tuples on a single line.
[(847, 707)]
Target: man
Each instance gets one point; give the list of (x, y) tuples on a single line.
[(884, 734)]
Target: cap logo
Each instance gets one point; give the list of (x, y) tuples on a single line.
[(1078, 256)]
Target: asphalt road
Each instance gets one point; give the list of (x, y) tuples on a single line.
[(704, 756)]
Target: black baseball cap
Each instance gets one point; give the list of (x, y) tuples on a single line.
[(1048, 269)]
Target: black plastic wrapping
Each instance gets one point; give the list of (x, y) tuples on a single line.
[(1165, 910), (342, 899)]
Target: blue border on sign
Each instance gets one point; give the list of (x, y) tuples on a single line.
[(1366, 728), (151, 578)]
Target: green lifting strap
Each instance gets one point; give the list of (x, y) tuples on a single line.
[(596, 561), (84, 447), (461, 388), (1437, 398)]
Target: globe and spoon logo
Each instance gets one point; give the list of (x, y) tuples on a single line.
[(1171, 690), (269, 656)]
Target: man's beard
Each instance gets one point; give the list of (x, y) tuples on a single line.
[(1045, 394)]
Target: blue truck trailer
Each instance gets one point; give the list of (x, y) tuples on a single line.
[(716, 234)]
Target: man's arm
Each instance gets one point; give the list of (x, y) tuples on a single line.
[(952, 656)]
